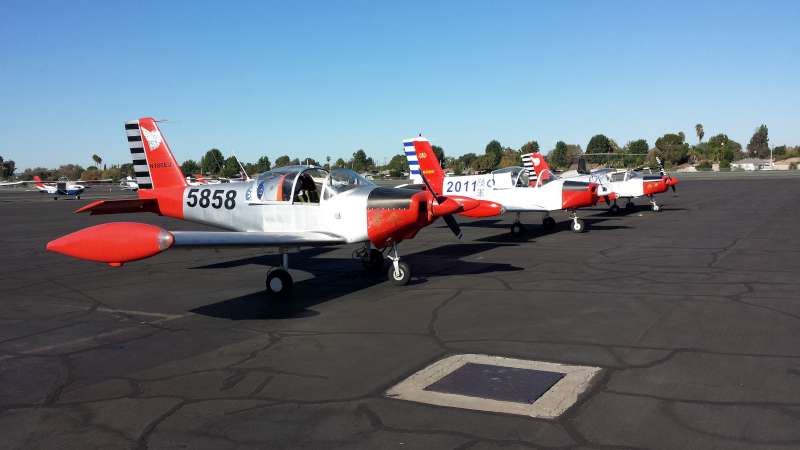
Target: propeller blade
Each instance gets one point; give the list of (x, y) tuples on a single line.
[(430, 189), (453, 225)]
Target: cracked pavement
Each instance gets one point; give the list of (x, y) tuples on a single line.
[(693, 313)]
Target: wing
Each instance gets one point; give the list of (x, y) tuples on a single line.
[(254, 239)]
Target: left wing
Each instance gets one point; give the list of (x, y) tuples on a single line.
[(120, 242)]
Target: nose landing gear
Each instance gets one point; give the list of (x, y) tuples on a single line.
[(656, 208), (399, 272), (578, 225)]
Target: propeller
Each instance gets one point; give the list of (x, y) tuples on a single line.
[(670, 181), (448, 218)]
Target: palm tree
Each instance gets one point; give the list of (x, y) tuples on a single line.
[(700, 133), (97, 160)]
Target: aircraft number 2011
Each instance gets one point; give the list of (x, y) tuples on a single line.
[(218, 199), (458, 186)]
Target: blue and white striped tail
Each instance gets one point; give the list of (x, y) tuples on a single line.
[(413, 162)]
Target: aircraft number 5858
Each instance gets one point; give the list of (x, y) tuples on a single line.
[(218, 199)]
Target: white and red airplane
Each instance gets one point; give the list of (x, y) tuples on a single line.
[(628, 184), (283, 209), (60, 188), (509, 187)]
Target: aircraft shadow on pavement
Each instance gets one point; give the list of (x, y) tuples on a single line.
[(334, 278)]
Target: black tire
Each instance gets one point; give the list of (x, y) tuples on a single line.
[(630, 207), (548, 223), (517, 229), (279, 284), (403, 277), (373, 261), (578, 226), (78, 197), (614, 209)]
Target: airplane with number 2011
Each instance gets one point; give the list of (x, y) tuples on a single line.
[(283, 209)]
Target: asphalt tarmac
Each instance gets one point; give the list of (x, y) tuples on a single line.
[(693, 314)]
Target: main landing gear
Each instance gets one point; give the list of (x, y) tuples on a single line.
[(656, 208), (517, 228), (279, 281), (578, 226), (614, 209), (399, 273)]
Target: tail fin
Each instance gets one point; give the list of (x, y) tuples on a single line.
[(153, 163), (535, 163), (423, 161), (39, 183)]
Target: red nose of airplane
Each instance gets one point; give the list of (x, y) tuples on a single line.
[(447, 206), (113, 243)]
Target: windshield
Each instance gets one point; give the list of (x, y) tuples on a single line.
[(343, 180), (545, 177)]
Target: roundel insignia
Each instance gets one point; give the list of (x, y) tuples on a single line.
[(260, 191)]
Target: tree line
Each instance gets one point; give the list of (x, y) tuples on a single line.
[(673, 148)]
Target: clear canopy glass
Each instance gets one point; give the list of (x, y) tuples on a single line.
[(304, 184)]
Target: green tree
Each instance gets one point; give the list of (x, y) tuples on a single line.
[(492, 155), (558, 156), (212, 162), (97, 160), (190, 167), (638, 152), (698, 129), (529, 147), (231, 167), (439, 152), (673, 148), (468, 161), (759, 143), (510, 158), (723, 149), (599, 143), (397, 165), (340, 163), (71, 171), (361, 162), (262, 165), (7, 168), (282, 161)]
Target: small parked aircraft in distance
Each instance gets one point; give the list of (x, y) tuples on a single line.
[(129, 184), (509, 187), (283, 209), (628, 184)]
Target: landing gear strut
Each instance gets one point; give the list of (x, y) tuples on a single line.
[(279, 282), (399, 272), (517, 228), (614, 209), (578, 226), (656, 208)]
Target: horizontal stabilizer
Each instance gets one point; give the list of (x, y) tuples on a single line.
[(121, 206)]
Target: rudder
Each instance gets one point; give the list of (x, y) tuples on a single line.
[(153, 164)]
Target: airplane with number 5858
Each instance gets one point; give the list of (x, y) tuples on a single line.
[(284, 209)]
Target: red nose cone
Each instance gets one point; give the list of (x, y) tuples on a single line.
[(113, 243)]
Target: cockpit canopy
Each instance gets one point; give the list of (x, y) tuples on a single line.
[(304, 184), (519, 175)]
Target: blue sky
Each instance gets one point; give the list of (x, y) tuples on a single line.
[(316, 79)]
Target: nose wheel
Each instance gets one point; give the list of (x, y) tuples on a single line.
[(614, 209), (399, 272), (656, 208), (279, 281), (578, 225)]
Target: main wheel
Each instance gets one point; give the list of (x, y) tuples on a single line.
[(614, 209), (279, 283), (578, 226), (629, 206), (548, 223), (402, 276), (373, 261), (78, 197), (517, 229)]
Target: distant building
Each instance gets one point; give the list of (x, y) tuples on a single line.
[(750, 164)]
